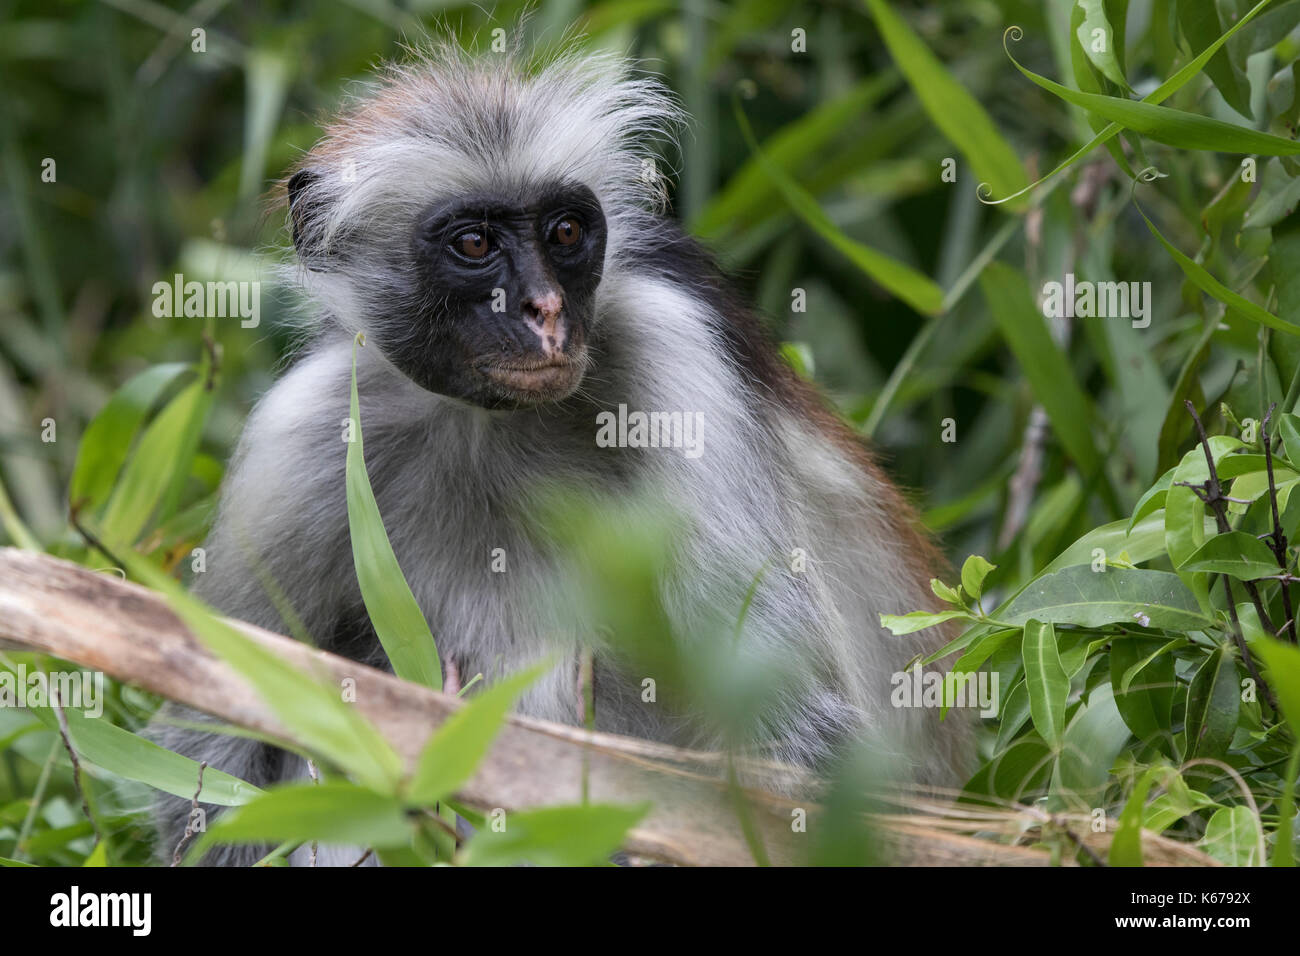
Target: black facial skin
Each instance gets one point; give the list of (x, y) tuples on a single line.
[(482, 323)]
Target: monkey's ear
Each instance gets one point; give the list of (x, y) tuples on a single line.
[(299, 207)]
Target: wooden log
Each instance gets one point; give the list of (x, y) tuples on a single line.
[(100, 622)]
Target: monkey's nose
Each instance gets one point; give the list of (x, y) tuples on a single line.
[(543, 313)]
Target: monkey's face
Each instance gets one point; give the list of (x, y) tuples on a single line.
[(503, 297)]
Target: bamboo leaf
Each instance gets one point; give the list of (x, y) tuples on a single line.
[(956, 113), (397, 618), (1042, 362)]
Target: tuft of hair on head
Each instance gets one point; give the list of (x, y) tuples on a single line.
[(445, 122)]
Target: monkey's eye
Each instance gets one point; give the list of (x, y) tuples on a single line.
[(472, 244), (567, 231)]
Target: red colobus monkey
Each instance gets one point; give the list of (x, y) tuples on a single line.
[(496, 231)]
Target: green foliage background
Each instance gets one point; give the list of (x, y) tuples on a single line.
[(920, 322)]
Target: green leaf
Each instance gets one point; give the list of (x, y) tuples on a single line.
[(973, 572), (1184, 512), (751, 190), (152, 480), (1146, 707), (133, 757), (945, 593), (1126, 845), (1093, 742), (1153, 499), (1164, 125), (1284, 847), (1082, 597), (1200, 24), (1042, 362), (397, 618), (956, 113), (1233, 837), (554, 836), (334, 812), (1236, 554), (1283, 662), (900, 624), (1046, 682), (452, 754), (915, 288), (1213, 704), (1288, 426), (1201, 278), (1014, 714), (1017, 775), (314, 713), (107, 439), (1106, 59)]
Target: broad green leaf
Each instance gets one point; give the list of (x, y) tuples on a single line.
[(913, 287), (1178, 802), (973, 572), (1236, 554), (1153, 499), (1080, 596), (1045, 681), (1185, 517), (555, 836), (899, 624), (1020, 774), (1213, 704), (1288, 426), (1042, 362), (1147, 705), (1144, 542), (335, 812), (945, 593), (1233, 837), (1136, 667), (1093, 742), (133, 757), (958, 115), (452, 754), (107, 439), (1014, 714), (397, 618), (1227, 466), (973, 660)]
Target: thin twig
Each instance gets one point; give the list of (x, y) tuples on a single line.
[(1060, 823), (72, 755), (1277, 539), (1211, 492), (189, 824), (1212, 495)]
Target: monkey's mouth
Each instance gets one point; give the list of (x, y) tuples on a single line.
[(530, 381)]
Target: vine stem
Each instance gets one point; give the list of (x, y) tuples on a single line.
[(1212, 494)]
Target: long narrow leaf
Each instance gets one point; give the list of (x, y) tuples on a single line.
[(397, 618), (958, 115)]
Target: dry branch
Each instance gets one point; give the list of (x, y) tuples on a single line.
[(100, 622)]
